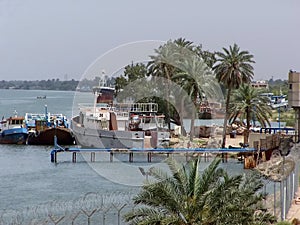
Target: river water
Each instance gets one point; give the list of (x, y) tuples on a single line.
[(28, 178)]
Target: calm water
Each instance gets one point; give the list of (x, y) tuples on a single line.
[(27, 177)]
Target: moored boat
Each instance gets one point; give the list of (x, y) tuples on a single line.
[(13, 130), (43, 127), (120, 126)]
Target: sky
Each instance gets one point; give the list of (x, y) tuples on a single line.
[(42, 39)]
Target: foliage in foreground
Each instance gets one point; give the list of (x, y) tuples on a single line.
[(188, 196)]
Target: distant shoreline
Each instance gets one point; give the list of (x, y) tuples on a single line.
[(54, 84)]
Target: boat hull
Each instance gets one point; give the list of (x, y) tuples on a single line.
[(46, 137), (14, 136), (205, 115), (98, 138)]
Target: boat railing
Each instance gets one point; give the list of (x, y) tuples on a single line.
[(122, 107), (137, 107)]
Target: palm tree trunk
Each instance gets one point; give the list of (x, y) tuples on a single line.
[(246, 137), (192, 131), (226, 117), (168, 97), (183, 131)]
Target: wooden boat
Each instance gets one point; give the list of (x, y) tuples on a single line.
[(13, 131), (43, 127)]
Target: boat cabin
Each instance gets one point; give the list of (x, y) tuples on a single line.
[(12, 122)]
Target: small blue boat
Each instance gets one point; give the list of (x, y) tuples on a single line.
[(13, 131)]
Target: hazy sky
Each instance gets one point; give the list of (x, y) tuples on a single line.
[(42, 39)]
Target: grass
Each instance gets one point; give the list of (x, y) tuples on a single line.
[(287, 116)]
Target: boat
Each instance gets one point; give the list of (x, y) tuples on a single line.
[(13, 130), (276, 101), (119, 125), (205, 111), (42, 128), (41, 97)]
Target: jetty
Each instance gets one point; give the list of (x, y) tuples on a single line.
[(149, 152), (262, 148)]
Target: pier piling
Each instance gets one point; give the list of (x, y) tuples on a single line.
[(130, 156), (74, 157), (93, 156), (111, 156), (149, 156)]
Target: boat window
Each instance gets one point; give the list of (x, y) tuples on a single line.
[(14, 122)]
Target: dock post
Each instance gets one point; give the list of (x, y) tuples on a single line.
[(224, 157), (74, 157), (93, 156), (111, 156), (54, 156), (149, 156), (130, 156)]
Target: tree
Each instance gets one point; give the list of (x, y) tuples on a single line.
[(198, 80), (132, 72), (233, 68), (250, 105), (187, 196), (208, 57), (161, 66)]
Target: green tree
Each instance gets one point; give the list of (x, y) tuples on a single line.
[(233, 68), (208, 57), (132, 72), (162, 65), (250, 105), (188, 196), (198, 80)]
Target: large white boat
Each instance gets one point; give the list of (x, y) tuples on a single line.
[(119, 126)]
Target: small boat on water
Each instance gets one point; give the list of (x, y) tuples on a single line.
[(41, 97), (13, 130), (120, 126), (43, 127)]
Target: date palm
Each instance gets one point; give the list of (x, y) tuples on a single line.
[(198, 80), (165, 64), (249, 104), (188, 196), (233, 68), (162, 65)]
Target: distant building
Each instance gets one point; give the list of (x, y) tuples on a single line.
[(294, 89), (260, 84)]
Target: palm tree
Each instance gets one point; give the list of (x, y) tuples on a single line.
[(232, 69), (165, 64), (188, 196), (162, 65), (249, 104), (197, 79)]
